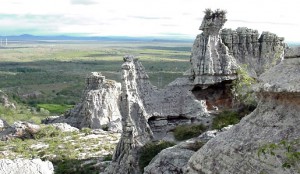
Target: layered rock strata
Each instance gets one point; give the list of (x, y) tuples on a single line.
[(99, 107), (257, 52), (210, 58), (136, 131), (275, 119)]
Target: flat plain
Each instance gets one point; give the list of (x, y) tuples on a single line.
[(53, 72)]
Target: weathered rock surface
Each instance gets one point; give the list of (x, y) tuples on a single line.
[(20, 130), (98, 107), (292, 52), (5, 101), (173, 160), (275, 119), (25, 166), (210, 58), (258, 53), (136, 131), (64, 127), (3, 124), (169, 161)]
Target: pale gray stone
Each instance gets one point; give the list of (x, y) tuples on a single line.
[(169, 161), (64, 127), (275, 119), (25, 166), (98, 107)]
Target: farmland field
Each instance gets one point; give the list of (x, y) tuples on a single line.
[(54, 72)]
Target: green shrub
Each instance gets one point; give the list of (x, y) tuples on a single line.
[(107, 157), (224, 119), (184, 132), (48, 132), (284, 150), (54, 108), (150, 150)]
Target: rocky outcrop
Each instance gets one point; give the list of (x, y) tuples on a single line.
[(258, 53), (5, 101), (173, 160), (19, 130), (275, 119), (292, 52), (136, 131), (210, 58), (98, 107), (26, 166)]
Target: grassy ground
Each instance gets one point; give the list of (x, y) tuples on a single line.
[(57, 71)]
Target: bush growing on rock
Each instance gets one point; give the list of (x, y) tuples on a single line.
[(150, 150), (184, 132), (224, 119)]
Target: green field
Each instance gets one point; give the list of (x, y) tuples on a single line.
[(54, 72)]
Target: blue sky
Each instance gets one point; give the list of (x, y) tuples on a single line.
[(170, 18)]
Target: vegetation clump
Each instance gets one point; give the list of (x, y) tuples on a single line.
[(150, 150), (184, 132), (224, 119), (284, 150)]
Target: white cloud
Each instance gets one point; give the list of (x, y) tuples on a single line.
[(147, 17)]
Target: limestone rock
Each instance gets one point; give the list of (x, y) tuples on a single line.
[(5, 101), (64, 127), (292, 52), (258, 53), (275, 119), (174, 159), (98, 107), (25, 166), (169, 161), (168, 107), (3, 124), (20, 130), (210, 58), (136, 131)]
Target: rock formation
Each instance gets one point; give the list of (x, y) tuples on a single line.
[(19, 130), (5, 101), (26, 166), (98, 108), (210, 58), (136, 131), (275, 119), (258, 53)]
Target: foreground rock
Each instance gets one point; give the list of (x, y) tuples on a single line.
[(25, 166), (173, 160), (98, 107), (275, 119)]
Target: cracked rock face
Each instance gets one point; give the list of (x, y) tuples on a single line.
[(210, 58), (258, 52), (275, 119), (99, 106)]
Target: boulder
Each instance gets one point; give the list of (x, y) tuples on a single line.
[(20, 130), (25, 166), (64, 127)]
